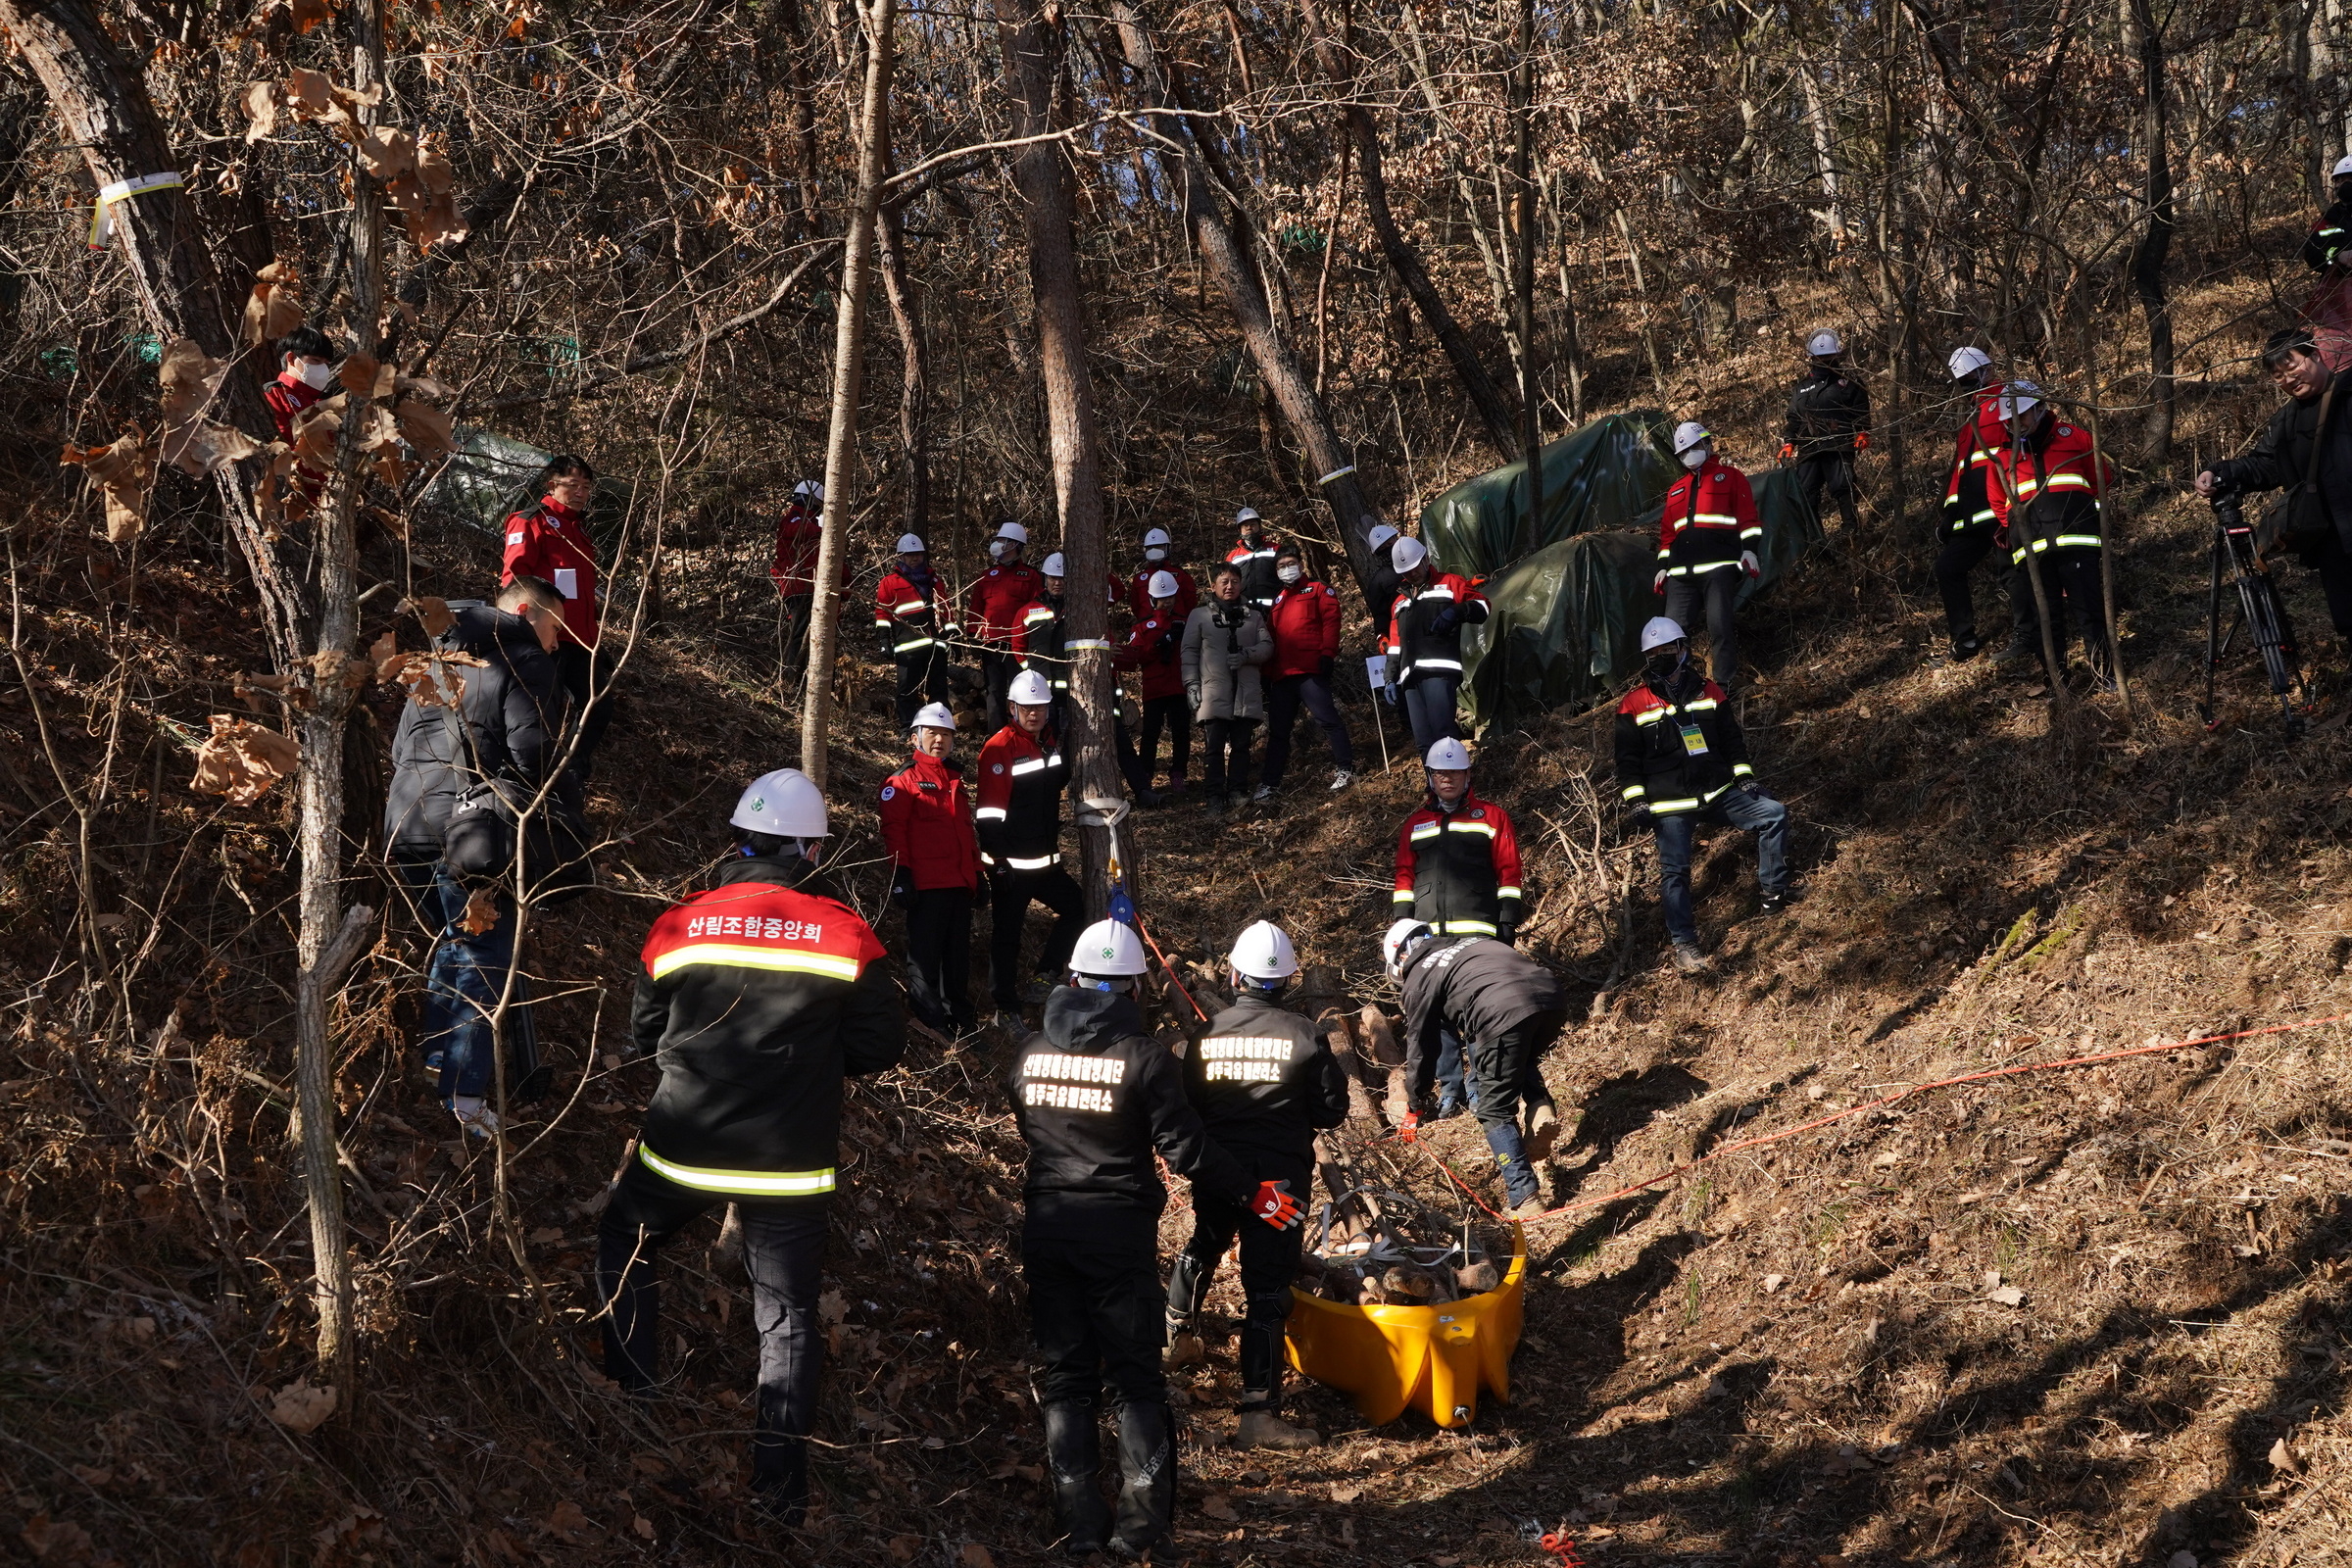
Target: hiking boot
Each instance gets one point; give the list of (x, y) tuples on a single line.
[(1543, 1131), (1237, 800), (1217, 806), (1342, 779), (2019, 649), (1966, 648), (1689, 959), (1262, 794), (1263, 1429), (1774, 902), (475, 1116), (1447, 1108), (1150, 797), (1073, 1457), (1529, 1207), (1184, 1349), (1146, 1480), (780, 1480)]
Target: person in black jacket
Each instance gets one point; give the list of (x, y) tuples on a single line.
[(507, 725), (758, 996), (1510, 1010), (1681, 759), (1095, 1098), (1829, 422), (2282, 456), (2332, 230), (1265, 1083)]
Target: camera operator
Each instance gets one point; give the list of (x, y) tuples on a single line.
[(2282, 457)]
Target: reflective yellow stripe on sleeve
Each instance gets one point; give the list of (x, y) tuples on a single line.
[(747, 1183), (737, 955)]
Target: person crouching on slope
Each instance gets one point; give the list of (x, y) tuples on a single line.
[(758, 997), (1095, 1098)]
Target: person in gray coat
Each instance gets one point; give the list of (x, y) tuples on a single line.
[(1226, 643)]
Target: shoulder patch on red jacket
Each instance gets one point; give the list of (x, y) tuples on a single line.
[(760, 925)]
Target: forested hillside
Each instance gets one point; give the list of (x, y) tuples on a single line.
[(1098, 270)]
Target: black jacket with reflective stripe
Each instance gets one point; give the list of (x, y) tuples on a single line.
[(1266, 1081), (1475, 987), (1657, 766), (1096, 1098)]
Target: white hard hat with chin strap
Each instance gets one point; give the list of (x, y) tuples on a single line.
[(785, 804), (1658, 631), (2343, 167), (1030, 690), (1691, 433), (911, 545), (1381, 537), (1448, 755), (1397, 945), (1824, 344), (1106, 953), (1012, 531), (1966, 361), (1157, 539), (1247, 515), (2021, 397), (1263, 956), (935, 715), (808, 490), (1054, 566), (1162, 585), (1406, 554)]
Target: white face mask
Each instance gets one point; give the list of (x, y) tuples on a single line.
[(1155, 554), (999, 549), (1695, 459), (1289, 574), (315, 373)]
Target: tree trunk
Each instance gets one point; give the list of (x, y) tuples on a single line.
[(1825, 160), (849, 380), (1526, 214), (1494, 409), (915, 366), (2155, 246), (1032, 37), (1223, 259), (103, 111)]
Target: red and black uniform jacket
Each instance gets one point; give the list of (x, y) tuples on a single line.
[(1474, 989), (1138, 592), (1040, 641), (759, 997), (1975, 449), (1019, 812), (1259, 585), (1710, 516), (993, 607), (927, 824), (799, 533), (2058, 485), (1155, 647), (287, 399), (907, 614), (1266, 1081), (1458, 869), (1677, 744), (1305, 623), (1425, 627), (551, 542)]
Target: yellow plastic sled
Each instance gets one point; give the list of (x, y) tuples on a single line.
[(1434, 1359)]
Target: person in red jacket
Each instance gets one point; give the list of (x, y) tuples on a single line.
[(2048, 494), (799, 529), (306, 359), (1023, 772), (1305, 623), (927, 827), (1155, 647), (1969, 520), (1156, 545), (1708, 536), (1253, 556), (550, 541), (1424, 643), (906, 618), (994, 610)]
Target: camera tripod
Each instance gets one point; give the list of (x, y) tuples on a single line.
[(2259, 611)]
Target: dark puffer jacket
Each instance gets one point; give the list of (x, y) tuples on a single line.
[(514, 709)]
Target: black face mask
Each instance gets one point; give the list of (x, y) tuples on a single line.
[(1661, 668)]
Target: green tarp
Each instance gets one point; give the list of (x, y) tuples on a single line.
[(489, 475), (1599, 477), (1567, 617)]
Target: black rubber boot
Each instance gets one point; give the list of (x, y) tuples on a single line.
[(780, 1479), (1146, 1480), (1074, 1456)]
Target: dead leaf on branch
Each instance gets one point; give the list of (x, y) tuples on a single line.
[(301, 1406), (193, 443), (308, 14), (331, 667), (434, 613), (384, 655), (569, 1520), (274, 307), (434, 680), (427, 430), (311, 95), (293, 688), (362, 373), (124, 473), (260, 102), (241, 760), (425, 386), (386, 152), (314, 430)]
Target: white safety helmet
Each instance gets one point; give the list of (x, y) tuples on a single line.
[(1107, 950), (1825, 342), (1247, 515), (1162, 585), (1402, 937), (1406, 554), (1691, 433), (1157, 539), (2343, 167), (1381, 537), (1448, 755), (910, 544), (935, 715), (1030, 690), (1012, 531), (2020, 396), (785, 803), (808, 490), (1263, 953), (1966, 361), (1658, 631), (1054, 564)]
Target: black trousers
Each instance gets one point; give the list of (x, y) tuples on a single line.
[(1961, 551), (1283, 703), (1097, 1309), (1716, 595), (997, 669), (1508, 1073), (1833, 472), (783, 1249), (2070, 582), (1227, 770), (1175, 715), (1270, 1262), (922, 678), (2333, 564), (939, 959), (585, 671), (791, 631), (1009, 895)]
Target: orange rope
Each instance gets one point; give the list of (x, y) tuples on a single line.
[(1169, 967), (1873, 1105)]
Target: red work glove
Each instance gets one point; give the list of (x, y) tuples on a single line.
[(1788, 450), (1275, 1206), (1861, 440), (1412, 1128)]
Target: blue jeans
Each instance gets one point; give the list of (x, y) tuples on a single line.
[(1767, 820), (463, 982), (1429, 708), (1452, 1088), (1282, 718)]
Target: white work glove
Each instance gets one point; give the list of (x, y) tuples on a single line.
[(1658, 584), (1747, 563)]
